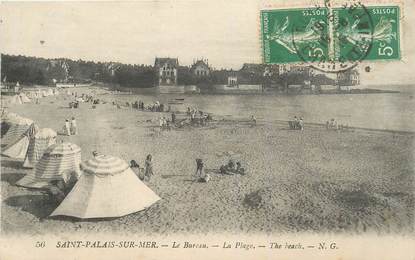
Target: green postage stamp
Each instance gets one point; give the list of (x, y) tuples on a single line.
[(341, 35)]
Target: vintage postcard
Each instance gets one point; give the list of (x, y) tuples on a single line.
[(178, 129)]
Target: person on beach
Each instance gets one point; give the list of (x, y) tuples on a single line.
[(67, 127), (74, 128), (95, 153), (253, 120), (333, 124), (239, 169), (173, 118), (199, 167), (136, 169), (295, 122), (149, 167), (301, 124), (162, 123), (229, 168)]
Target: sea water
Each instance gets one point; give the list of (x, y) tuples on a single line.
[(386, 111)]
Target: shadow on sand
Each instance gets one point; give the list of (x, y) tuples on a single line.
[(216, 171), (38, 205), (74, 219), (167, 176), (41, 206), (11, 178), (18, 165)]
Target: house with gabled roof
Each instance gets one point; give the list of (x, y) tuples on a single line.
[(166, 69)]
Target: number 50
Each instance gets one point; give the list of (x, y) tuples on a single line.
[(40, 244), (385, 50)]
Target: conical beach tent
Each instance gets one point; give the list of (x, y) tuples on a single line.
[(38, 145), (7, 120), (107, 188), (18, 127), (58, 162), (16, 100), (18, 149), (24, 98)]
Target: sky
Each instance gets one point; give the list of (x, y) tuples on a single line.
[(227, 33)]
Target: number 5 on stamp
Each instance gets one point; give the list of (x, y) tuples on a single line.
[(294, 35)]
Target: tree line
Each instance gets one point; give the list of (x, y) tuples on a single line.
[(41, 71)]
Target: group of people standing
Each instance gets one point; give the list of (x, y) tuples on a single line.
[(156, 107), (297, 123), (70, 127)]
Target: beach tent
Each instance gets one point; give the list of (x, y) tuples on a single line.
[(16, 100), (38, 144), (7, 120), (58, 162), (18, 127), (8, 117), (18, 148), (24, 98), (107, 188)]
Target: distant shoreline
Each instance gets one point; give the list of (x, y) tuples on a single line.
[(153, 90)]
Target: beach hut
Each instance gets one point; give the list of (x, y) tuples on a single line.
[(24, 98), (18, 148), (58, 162), (18, 127), (38, 145), (107, 188)]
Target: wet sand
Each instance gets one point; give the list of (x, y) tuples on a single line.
[(310, 181)]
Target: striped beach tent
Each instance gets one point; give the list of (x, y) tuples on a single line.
[(107, 188), (58, 162), (7, 119), (18, 127), (38, 145), (18, 148)]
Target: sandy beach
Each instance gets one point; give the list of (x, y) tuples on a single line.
[(297, 181)]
